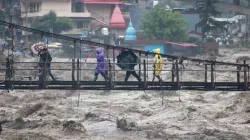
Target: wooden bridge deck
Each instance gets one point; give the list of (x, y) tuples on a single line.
[(120, 85)]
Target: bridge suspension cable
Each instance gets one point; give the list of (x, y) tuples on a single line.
[(111, 46)]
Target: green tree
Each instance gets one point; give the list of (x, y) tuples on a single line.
[(164, 25), (208, 11), (51, 23)]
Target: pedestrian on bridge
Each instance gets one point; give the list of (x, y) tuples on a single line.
[(127, 60), (100, 66), (45, 60), (157, 64), (44, 64)]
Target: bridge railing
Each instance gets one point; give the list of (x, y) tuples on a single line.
[(78, 73)]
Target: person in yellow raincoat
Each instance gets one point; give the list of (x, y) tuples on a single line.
[(157, 64)]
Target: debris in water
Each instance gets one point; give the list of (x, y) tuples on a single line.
[(156, 134), (123, 124), (71, 127), (29, 109), (246, 122), (90, 115)]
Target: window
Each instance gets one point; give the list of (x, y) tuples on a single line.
[(31, 8), (86, 25), (82, 24), (79, 24), (77, 6), (35, 7)]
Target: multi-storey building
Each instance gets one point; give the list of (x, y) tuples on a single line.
[(87, 15), (10, 12)]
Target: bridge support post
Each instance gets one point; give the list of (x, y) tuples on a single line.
[(177, 74), (110, 75), (139, 64), (78, 73), (206, 75), (9, 73), (114, 63), (238, 76), (212, 76), (145, 74), (73, 72), (173, 71), (245, 76), (74, 49)]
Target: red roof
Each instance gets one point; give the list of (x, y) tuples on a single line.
[(102, 1), (117, 20)]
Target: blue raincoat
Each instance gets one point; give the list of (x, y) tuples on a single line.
[(101, 65)]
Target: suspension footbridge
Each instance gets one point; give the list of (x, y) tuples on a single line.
[(76, 70)]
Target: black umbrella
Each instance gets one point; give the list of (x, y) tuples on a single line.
[(126, 57)]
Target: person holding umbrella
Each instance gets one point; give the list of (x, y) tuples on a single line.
[(41, 50), (45, 60), (127, 60)]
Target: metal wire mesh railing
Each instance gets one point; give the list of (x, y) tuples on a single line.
[(78, 72)]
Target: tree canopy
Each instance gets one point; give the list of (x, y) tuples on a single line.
[(164, 25), (51, 23), (208, 11)]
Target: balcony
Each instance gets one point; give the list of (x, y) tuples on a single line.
[(59, 14)]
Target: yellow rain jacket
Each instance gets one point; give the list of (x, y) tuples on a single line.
[(157, 62)]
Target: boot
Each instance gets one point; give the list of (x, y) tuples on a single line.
[(159, 78), (95, 78), (138, 78), (127, 75), (126, 79)]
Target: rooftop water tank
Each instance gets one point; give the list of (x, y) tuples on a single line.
[(105, 31)]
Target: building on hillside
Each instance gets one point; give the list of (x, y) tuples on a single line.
[(88, 16), (74, 9), (191, 18)]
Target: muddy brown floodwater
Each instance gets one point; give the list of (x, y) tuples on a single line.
[(128, 115)]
